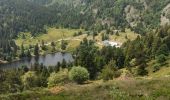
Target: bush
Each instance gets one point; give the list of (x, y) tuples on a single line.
[(141, 70), (117, 74), (29, 79), (161, 58), (42, 81), (58, 78), (79, 74), (107, 73), (156, 67)]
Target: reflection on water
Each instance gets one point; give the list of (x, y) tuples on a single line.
[(47, 60)]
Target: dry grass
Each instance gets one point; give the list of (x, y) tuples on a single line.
[(137, 89)]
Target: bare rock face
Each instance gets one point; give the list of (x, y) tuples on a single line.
[(144, 3), (132, 15), (165, 16)]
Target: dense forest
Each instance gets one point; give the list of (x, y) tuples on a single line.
[(74, 14)]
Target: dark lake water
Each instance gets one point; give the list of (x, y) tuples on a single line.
[(47, 60)]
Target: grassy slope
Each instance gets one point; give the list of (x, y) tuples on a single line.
[(163, 72), (132, 89), (53, 34), (121, 38)]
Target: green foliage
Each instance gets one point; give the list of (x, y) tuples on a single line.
[(64, 63), (63, 45), (28, 54), (86, 54), (143, 89), (36, 50), (104, 36), (140, 29), (132, 62), (161, 59), (10, 81), (143, 49), (141, 70), (58, 78), (118, 94), (29, 79), (156, 67), (163, 49), (62, 13), (43, 46), (78, 74), (110, 71), (94, 15), (22, 51), (107, 73)]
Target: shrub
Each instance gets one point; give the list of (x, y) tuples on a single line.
[(42, 81), (58, 78), (117, 74), (133, 62), (156, 67), (78, 74), (141, 70), (161, 58), (107, 73), (29, 79)]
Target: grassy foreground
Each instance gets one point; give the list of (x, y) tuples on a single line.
[(118, 89)]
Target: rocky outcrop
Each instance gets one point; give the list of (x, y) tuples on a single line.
[(165, 16), (132, 15)]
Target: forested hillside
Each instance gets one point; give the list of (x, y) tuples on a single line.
[(94, 15)]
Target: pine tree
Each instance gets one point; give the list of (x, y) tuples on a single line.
[(63, 45), (28, 53), (36, 50), (64, 64), (22, 51)]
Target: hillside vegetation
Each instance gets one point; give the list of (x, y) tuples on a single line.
[(33, 16), (53, 35), (135, 67), (141, 89)]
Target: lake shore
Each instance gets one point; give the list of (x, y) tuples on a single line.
[(50, 59)]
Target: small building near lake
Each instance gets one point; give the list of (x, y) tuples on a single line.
[(110, 43)]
